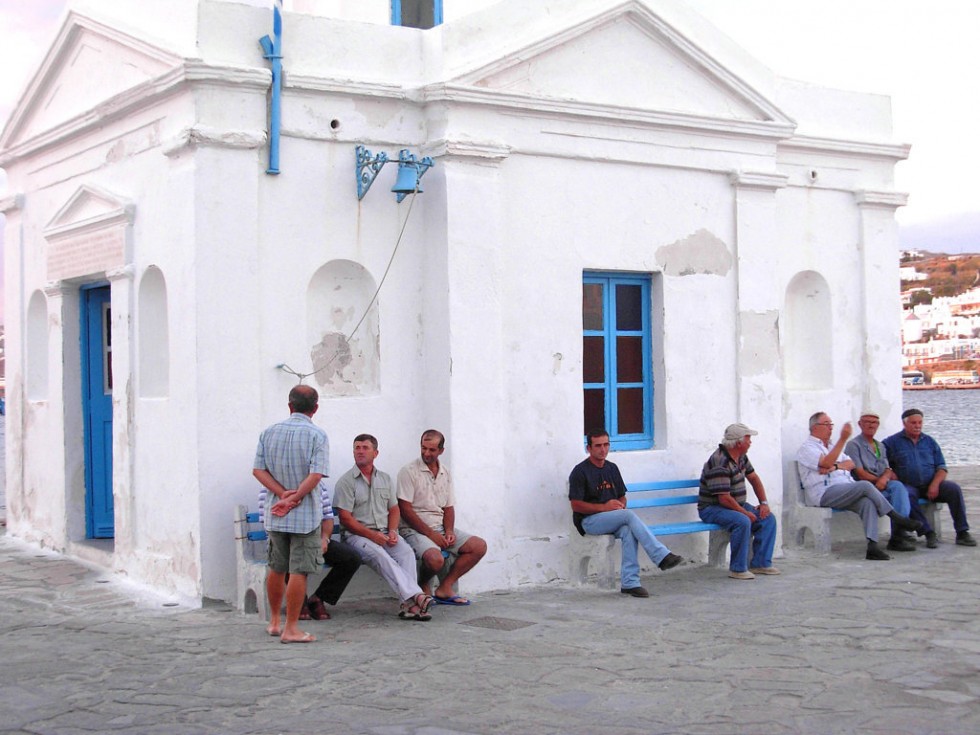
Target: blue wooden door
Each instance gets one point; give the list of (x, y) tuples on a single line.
[(97, 411)]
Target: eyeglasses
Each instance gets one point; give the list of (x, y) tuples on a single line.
[(825, 423)]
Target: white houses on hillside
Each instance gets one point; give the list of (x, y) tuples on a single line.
[(629, 221)]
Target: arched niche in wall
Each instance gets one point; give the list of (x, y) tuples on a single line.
[(338, 299), (154, 335), (36, 378), (807, 335)]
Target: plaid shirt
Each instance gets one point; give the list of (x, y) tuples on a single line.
[(290, 451)]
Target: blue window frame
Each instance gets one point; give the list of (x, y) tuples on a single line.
[(416, 13), (617, 364)]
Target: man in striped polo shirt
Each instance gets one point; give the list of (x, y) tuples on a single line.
[(721, 500)]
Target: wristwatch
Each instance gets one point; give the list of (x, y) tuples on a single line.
[(763, 502)]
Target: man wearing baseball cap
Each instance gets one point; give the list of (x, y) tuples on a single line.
[(919, 463), (721, 500)]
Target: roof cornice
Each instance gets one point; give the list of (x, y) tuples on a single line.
[(192, 72)]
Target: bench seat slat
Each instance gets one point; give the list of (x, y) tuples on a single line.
[(669, 529), (661, 502)]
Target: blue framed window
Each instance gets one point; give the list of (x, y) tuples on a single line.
[(416, 13), (617, 365)]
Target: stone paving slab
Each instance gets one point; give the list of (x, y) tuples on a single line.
[(833, 645)]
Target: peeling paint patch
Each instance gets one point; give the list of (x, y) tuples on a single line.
[(330, 356), (700, 252)]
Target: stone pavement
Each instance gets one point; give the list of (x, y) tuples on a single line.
[(834, 645)]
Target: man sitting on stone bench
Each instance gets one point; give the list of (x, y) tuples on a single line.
[(598, 496), (871, 463), (919, 463), (825, 472)]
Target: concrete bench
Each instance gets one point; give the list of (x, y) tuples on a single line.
[(803, 522), (658, 494), (252, 557)]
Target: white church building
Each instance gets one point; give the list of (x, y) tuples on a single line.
[(628, 222)]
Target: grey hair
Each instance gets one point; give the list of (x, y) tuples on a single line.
[(730, 443), (815, 419)]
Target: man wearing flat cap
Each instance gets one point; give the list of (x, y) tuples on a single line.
[(721, 500), (919, 463), (870, 459)]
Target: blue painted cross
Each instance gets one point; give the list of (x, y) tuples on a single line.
[(273, 52)]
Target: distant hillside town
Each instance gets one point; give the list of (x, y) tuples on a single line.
[(940, 318)]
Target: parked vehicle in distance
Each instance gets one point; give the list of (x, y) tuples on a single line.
[(955, 377), (913, 377)]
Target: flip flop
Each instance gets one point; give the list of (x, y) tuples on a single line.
[(453, 600), (307, 638)]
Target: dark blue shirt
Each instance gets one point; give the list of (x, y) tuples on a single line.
[(915, 463), (594, 485)]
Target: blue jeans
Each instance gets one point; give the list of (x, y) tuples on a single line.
[(898, 495), (762, 533), (630, 530)]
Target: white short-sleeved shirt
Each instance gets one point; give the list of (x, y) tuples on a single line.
[(808, 462), (427, 493)]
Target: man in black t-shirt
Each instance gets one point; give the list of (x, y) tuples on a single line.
[(598, 496)]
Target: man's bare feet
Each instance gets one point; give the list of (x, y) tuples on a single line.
[(274, 629)]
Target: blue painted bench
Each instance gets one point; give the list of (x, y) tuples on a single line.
[(661, 494), (655, 495)]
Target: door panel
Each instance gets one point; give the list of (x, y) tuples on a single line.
[(97, 410)]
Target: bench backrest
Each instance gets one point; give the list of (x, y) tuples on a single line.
[(654, 493), (255, 529)]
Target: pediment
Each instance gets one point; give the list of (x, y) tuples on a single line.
[(88, 64), (89, 208), (627, 57)]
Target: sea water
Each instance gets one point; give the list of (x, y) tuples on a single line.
[(952, 418)]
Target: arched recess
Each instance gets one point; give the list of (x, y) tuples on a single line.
[(37, 347), (807, 336), (154, 335), (347, 363)]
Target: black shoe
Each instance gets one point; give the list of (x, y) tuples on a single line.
[(963, 538), (903, 522), (932, 541), (875, 553), (635, 591), (899, 543), (672, 560)]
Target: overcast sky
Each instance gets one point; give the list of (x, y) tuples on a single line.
[(923, 54)]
